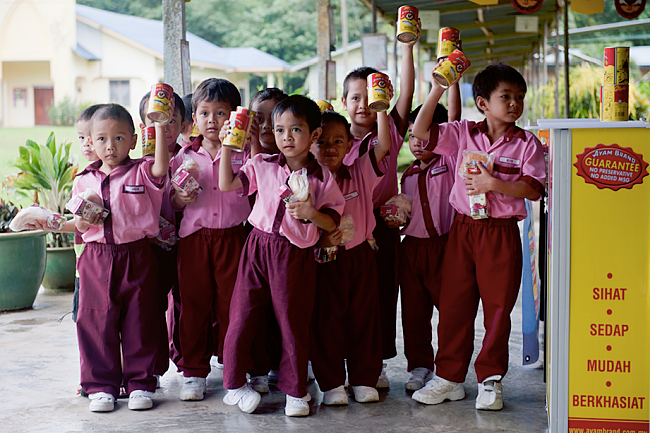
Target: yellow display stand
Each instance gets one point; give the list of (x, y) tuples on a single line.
[(598, 315)]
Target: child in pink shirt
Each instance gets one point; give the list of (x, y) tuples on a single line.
[(117, 269), (277, 265), (483, 256), (346, 315), (211, 234), (188, 125)]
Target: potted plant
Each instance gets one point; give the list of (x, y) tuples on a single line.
[(49, 171), (23, 262)]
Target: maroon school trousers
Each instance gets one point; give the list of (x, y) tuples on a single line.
[(388, 242), (346, 320), (167, 280), (118, 305), (420, 278), (482, 262), (272, 271), (207, 270)]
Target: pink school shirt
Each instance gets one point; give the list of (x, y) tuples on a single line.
[(213, 208), (439, 181), (268, 173), (131, 194), (388, 185), (518, 156), (357, 184)]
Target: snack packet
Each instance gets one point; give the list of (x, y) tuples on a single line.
[(87, 205), (184, 178), (397, 208), (478, 203), (347, 228), (297, 188), (167, 236), (37, 213)]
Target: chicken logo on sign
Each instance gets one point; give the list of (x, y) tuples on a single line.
[(528, 6), (629, 8)]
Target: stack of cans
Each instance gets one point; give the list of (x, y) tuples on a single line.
[(453, 61), (615, 91)]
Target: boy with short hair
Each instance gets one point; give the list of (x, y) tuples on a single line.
[(211, 235), (364, 136), (117, 268), (277, 265), (166, 255), (186, 131), (483, 256)]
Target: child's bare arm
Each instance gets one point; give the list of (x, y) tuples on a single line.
[(383, 133), (425, 116), (304, 210), (227, 179), (402, 107), (485, 182), (160, 165), (455, 103)]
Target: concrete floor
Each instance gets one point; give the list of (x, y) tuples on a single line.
[(39, 374)]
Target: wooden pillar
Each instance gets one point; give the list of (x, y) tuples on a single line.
[(323, 47), (374, 16), (176, 50)]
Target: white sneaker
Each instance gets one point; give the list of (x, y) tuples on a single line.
[(419, 376), (259, 383), (157, 376), (214, 361), (365, 394), (489, 394), (335, 397), (101, 402), (438, 390), (274, 376), (245, 397), (297, 406), (193, 388), (140, 400), (382, 381), (310, 372)]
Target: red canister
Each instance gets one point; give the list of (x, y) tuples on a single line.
[(378, 92), (407, 24), (448, 41), (159, 100), (451, 68)]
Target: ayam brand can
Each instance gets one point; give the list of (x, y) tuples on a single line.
[(240, 122), (407, 24), (378, 93), (448, 41), (195, 131), (614, 105), (324, 105), (159, 100), (451, 68), (617, 66), (149, 141)]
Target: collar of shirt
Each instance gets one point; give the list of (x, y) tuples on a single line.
[(419, 165), (343, 173), (195, 145), (512, 131), (313, 168), (95, 166)]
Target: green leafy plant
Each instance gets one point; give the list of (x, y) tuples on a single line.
[(49, 171), (65, 113)]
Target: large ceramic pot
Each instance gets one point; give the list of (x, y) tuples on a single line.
[(22, 265), (60, 269)]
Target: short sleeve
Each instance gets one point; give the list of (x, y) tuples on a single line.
[(247, 174), (444, 138), (533, 169), (156, 183), (329, 195)]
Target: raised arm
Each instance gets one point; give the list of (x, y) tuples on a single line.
[(425, 116), (160, 165), (383, 136), (227, 179), (402, 108), (455, 103)]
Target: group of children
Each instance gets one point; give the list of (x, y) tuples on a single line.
[(247, 286)]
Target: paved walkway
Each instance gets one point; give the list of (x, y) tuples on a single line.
[(40, 372)]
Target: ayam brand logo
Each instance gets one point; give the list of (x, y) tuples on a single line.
[(611, 166)]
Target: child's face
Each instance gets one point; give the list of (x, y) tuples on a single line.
[(332, 146), (292, 135), (173, 129), (112, 140), (417, 147), (210, 117), (506, 103), (265, 122), (84, 140), (356, 104)]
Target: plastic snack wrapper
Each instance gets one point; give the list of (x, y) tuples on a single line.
[(397, 208), (346, 226), (478, 203), (87, 205), (35, 213), (297, 188), (184, 178), (167, 236)]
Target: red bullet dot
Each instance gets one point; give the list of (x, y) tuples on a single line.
[(609, 348), (608, 383), (609, 312), (609, 276)]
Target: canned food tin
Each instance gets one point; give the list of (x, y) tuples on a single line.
[(159, 100), (195, 131), (240, 122), (451, 68), (614, 105), (448, 41), (149, 141), (378, 93), (324, 106), (407, 24), (617, 66)]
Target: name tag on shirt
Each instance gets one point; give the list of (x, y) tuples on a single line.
[(236, 162), (351, 195), (438, 170), (509, 160), (133, 189)]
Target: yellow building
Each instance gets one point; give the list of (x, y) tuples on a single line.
[(53, 49)]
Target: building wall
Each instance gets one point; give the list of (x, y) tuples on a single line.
[(23, 75)]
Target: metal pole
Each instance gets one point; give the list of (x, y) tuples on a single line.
[(556, 52), (567, 98), (344, 33), (374, 16), (323, 47), (545, 81), (173, 38)]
